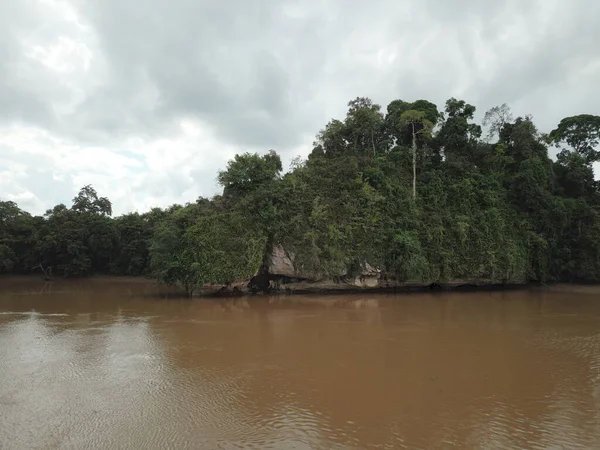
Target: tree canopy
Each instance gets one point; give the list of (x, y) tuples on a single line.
[(415, 192), (581, 133)]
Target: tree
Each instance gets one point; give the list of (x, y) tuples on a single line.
[(523, 141), (458, 137), (63, 242), (167, 261), (131, 254), (6, 258), (224, 248), (574, 175), (399, 132), (9, 213), (331, 140), (418, 124), (363, 124), (491, 212), (19, 232), (495, 119), (217, 248), (248, 171), (87, 200), (581, 133)]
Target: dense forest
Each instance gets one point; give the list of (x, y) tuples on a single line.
[(419, 193)]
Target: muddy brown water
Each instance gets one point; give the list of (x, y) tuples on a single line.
[(120, 364)]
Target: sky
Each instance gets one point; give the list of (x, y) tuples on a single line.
[(147, 100)]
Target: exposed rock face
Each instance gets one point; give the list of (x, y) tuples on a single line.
[(368, 277), (281, 275), (281, 262)]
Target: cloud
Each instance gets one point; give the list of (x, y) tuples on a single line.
[(147, 100)]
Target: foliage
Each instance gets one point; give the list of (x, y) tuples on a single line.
[(88, 201), (213, 248), (248, 171), (418, 125), (581, 133), (499, 209)]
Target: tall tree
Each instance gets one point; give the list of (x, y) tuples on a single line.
[(581, 133), (495, 119), (418, 124), (332, 140), (364, 123), (247, 172), (458, 136), (87, 200), (498, 212)]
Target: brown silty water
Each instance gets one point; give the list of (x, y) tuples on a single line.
[(123, 364)]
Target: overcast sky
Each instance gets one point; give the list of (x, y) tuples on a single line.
[(147, 99)]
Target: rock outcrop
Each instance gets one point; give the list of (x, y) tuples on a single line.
[(368, 276), (283, 272), (281, 262), (280, 274)]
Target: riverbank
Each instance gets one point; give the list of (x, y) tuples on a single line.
[(140, 285), (330, 287)]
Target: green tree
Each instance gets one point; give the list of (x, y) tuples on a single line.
[(9, 215), (364, 125), (418, 124), (458, 136), (581, 133), (332, 140), (247, 172), (87, 201), (494, 210), (215, 248)]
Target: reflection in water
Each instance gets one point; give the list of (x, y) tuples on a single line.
[(115, 366)]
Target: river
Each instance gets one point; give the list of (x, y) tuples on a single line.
[(104, 363)]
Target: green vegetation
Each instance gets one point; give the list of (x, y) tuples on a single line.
[(416, 192)]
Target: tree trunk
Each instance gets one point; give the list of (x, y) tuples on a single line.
[(414, 161), (373, 142), (47, 273)]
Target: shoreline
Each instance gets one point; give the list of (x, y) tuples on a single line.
[(336, 291), (30, 281)]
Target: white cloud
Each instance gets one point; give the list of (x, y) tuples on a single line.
[(148, 103), (136, 174), (65, 55)]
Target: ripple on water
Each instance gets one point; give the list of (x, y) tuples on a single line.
[(274, 378), (31, 313)]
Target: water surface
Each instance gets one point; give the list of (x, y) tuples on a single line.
[(119, 364)]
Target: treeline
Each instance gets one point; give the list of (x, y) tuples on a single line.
[(418, 193)]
